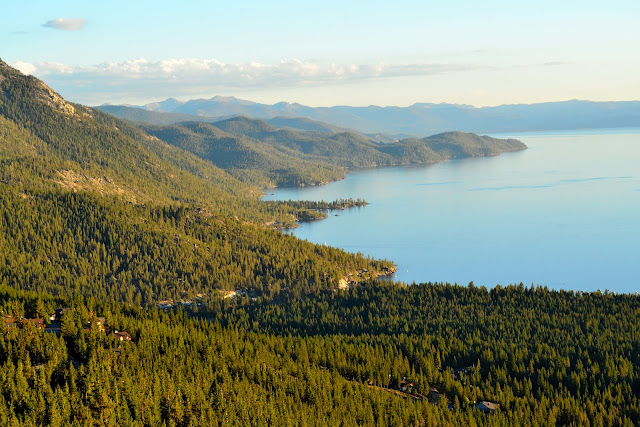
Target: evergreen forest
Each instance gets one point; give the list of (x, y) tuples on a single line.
[(144, 283)]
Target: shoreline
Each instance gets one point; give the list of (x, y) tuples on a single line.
[(397, 165)]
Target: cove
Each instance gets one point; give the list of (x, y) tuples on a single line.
[(564, 214)]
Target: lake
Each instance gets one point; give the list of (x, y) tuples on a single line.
[(564, 214)]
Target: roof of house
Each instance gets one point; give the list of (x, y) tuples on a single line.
[(122, 335), (9, 321), (487, 406)]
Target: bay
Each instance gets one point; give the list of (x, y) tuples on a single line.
[(564, 214)]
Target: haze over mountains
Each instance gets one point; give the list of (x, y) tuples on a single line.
[(423, 118)]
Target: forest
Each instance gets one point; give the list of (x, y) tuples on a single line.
[(142, 285), (545, 357), (256, 152)]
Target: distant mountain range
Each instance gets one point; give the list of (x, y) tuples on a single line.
[(138, 114), (419, 119)]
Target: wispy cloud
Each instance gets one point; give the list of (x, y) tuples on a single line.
[(142, 80), (252, 72), (65, 24), (214, 73), (554, 63), (187, 77)]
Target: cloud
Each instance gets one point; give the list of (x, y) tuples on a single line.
[(139, 78), (24, 67), (212, 71), (65, 24), (554, 63)]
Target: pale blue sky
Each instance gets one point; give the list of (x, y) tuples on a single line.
[(329, 52)]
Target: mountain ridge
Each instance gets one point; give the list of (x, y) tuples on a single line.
[(422, 119), (255, 150), (50, 143)]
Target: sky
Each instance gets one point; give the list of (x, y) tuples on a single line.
[(324, 53)]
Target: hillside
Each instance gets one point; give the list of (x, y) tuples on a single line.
[(49, 143), (84, 149), (133, 114), (250, 160), (257, 152), (379, 354), (94, 206), (305, 123)]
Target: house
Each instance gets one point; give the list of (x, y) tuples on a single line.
[(100, 322), (487, 407), (9, 322), (38, 322), (122, 336), (406, 386)]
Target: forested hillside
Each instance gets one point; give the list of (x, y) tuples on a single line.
[(94, 206), (81, 244), (539, 357), (141, 285), (257, 152), (51, 143), (250, 160)]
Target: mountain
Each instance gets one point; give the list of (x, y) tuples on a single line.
[(215, 107), (133, 114), (249, 159), (426, 119), (257, 152), (305, 123), (80, 148), (96, 207)]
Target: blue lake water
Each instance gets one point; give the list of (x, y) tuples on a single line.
[(564, 214)]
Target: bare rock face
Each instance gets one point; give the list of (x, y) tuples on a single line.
[(52, 99)]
